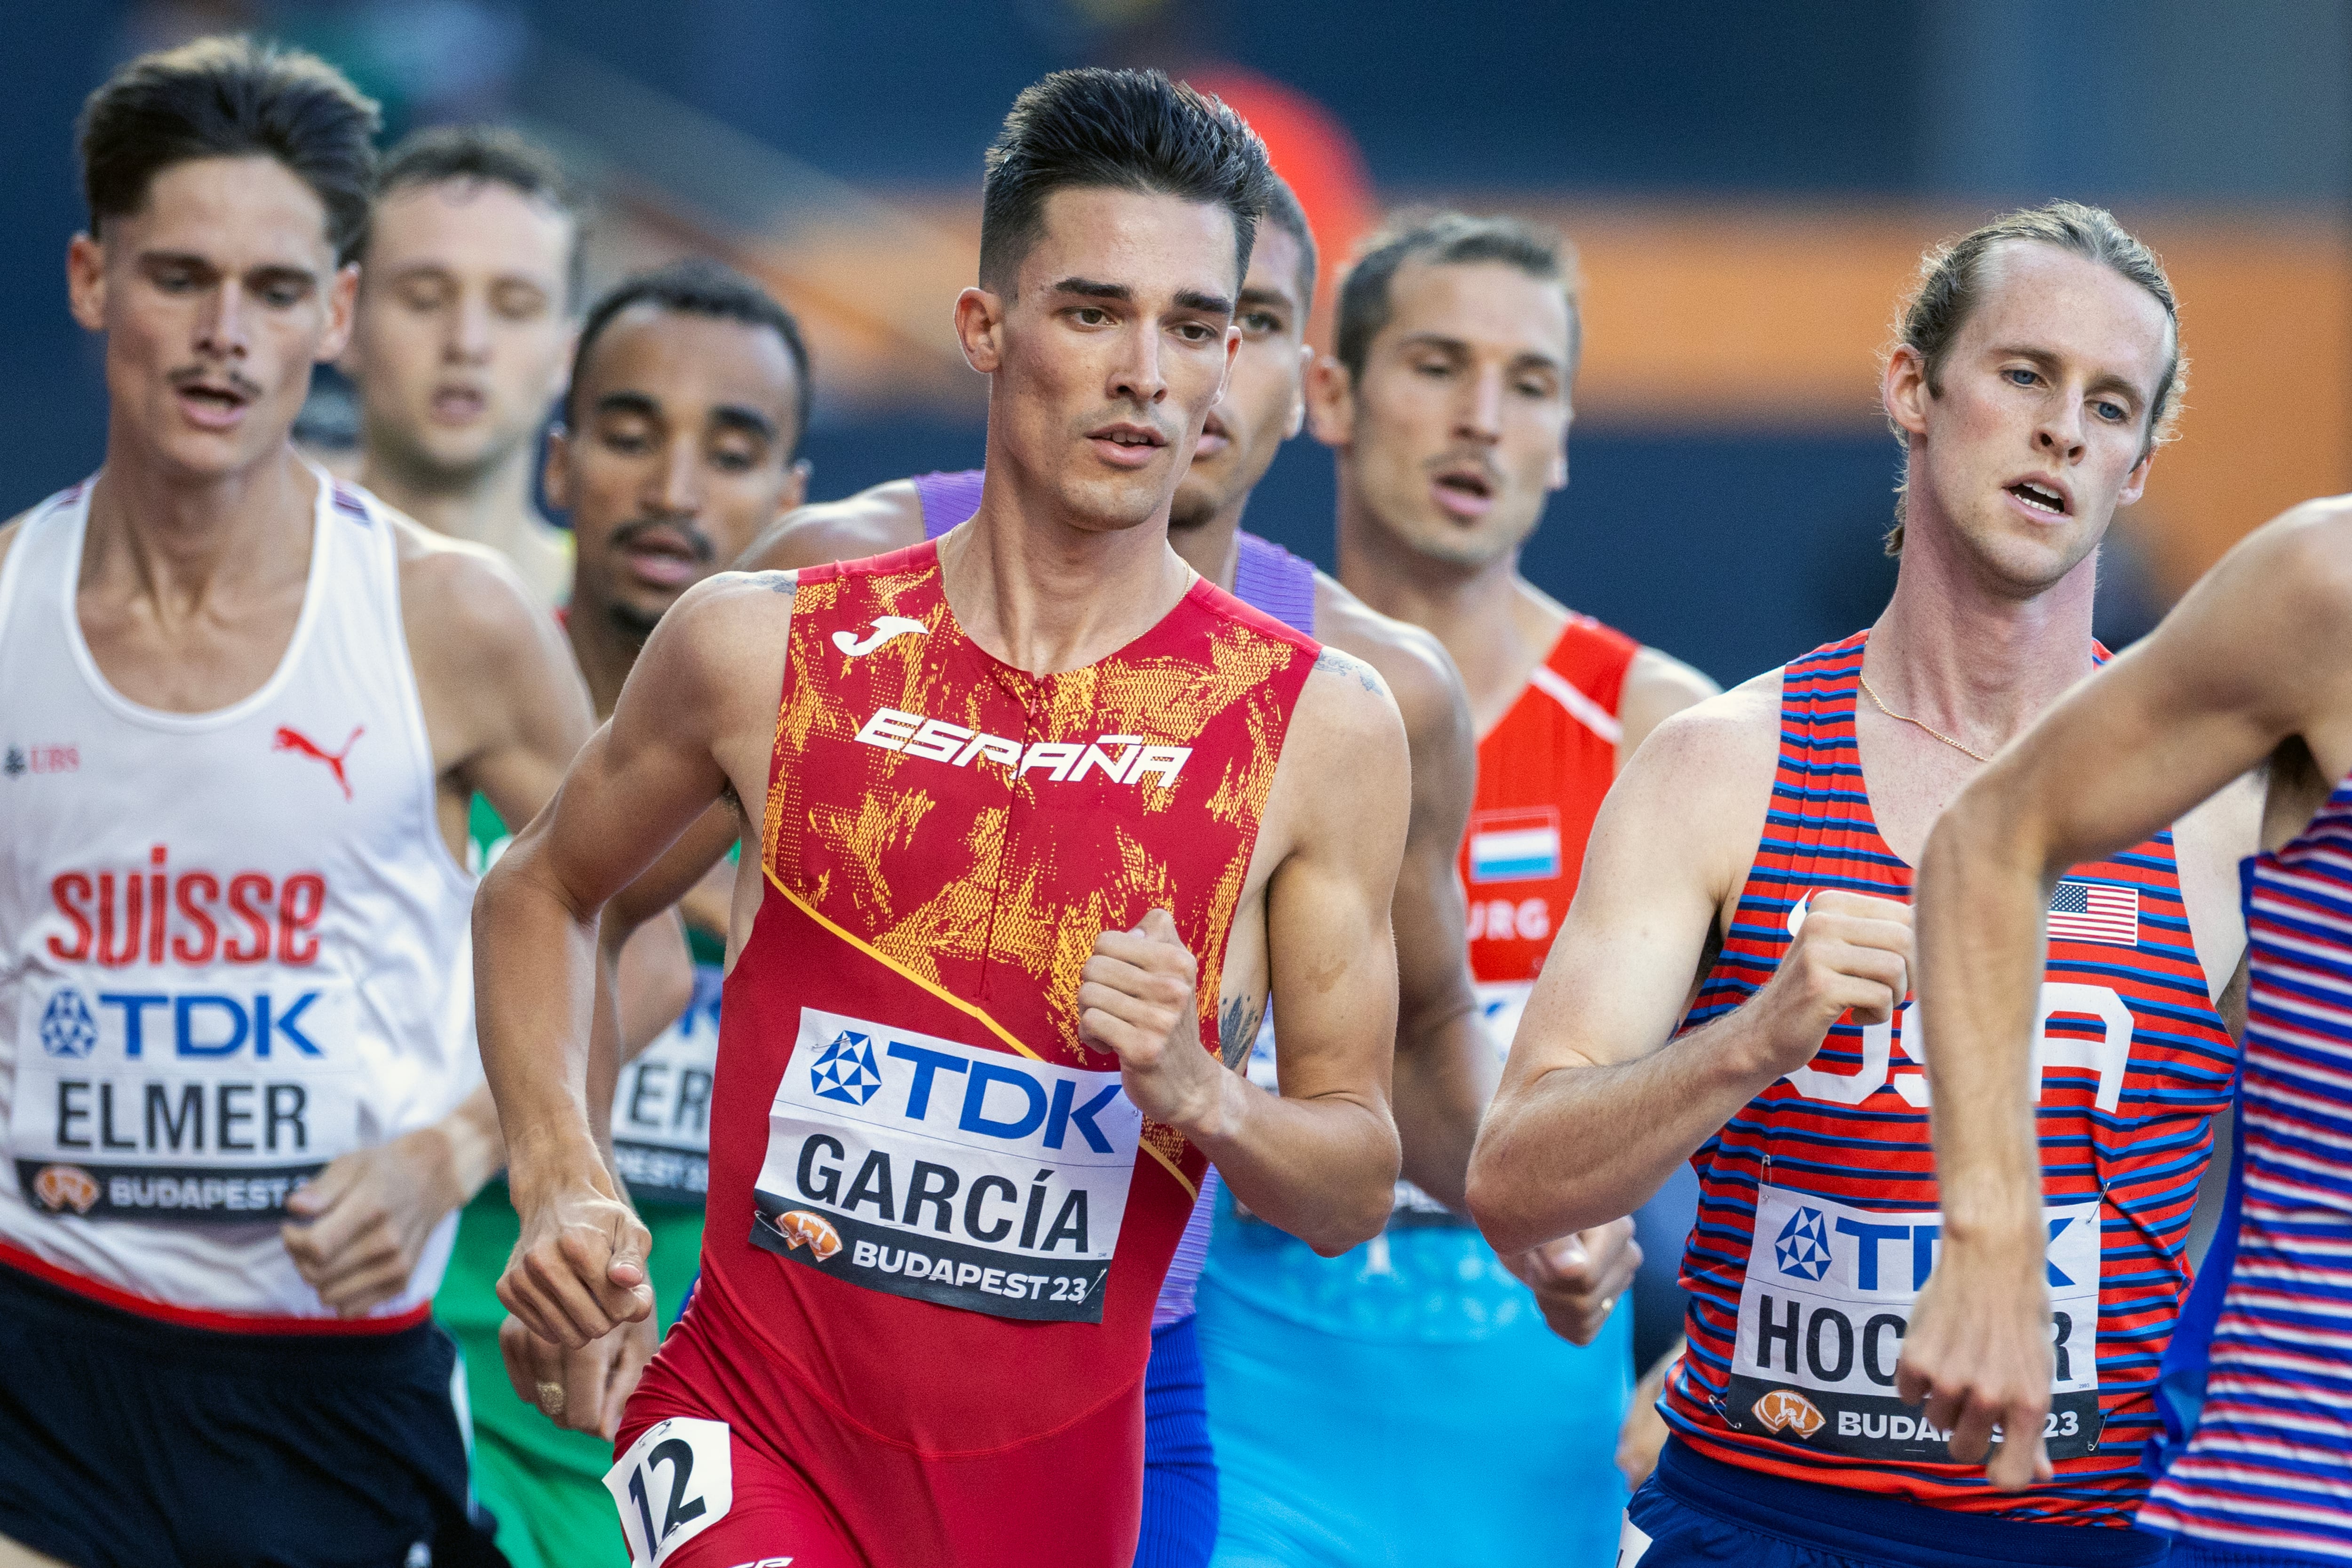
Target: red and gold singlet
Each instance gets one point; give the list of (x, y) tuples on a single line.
[(936, 1223)]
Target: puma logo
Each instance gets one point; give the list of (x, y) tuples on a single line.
[(884, 628), (289, 739)]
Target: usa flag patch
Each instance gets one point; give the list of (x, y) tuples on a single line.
[(2094, 911)]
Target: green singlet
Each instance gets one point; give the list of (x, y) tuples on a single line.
[(546, 1484)]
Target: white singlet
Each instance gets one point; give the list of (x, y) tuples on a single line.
[(233, 945)]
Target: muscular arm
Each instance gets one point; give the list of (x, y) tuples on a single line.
[(688, 725), (1320, 1159), (1597, 1106), (2256, 654), (1445, 1066)]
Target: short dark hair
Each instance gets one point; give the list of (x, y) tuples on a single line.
[(1128, 130), (491, 154), (1447, 239), (231, 98), (699, 286), (1951, 284), (1283, 211)]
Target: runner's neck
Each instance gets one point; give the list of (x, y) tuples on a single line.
[(1954, 650), (1043, 596), (153, 537), (1496, 626), (1213, 548)]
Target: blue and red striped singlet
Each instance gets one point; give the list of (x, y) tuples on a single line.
[(1818, 1221), (2269, 1468)]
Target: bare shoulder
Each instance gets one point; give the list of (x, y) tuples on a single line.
[(462, 596), (2301, 563), (872, 522), (1658, 684), (728, 634), (1414, 666), (1726, 743)]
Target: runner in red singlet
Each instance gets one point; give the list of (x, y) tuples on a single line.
[(1044, 818), (1448, 406), (1444, 1065), (1762, 845)]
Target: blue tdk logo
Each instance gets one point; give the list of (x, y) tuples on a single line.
[(1803, 1247), (67, 1028), (845, 1070)]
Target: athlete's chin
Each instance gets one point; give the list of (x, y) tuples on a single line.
[(1113, 503)]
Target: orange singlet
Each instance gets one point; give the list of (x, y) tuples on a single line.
[(936, 1224), (1542, 773)]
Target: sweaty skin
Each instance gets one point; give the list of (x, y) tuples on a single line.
[(2051, 376), (1106, 349), (216, 298), (2255, 663), (1446, 449)]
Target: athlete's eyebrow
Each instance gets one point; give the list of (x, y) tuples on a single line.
[(1207, 304), (1275, 297), (1093, 290), (625, 402), (2108, 383), (743, 417)]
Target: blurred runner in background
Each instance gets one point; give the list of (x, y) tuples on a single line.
[(469, 290), (680, 442)]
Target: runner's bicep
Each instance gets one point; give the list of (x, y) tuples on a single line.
[(1618, 977), (1331, 954)]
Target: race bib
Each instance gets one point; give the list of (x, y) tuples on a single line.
[(196, 1106), (921, 1167), (1822, 1313), (675, 1481), (661, 1111)]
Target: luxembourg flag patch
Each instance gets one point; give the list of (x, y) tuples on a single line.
[(1515, 846), (2094, 911)]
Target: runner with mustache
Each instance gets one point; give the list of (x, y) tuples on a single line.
[(242, 1097), (680, 441), (1044, 820), (1762, 843), (469, 294), (1346, 1393)]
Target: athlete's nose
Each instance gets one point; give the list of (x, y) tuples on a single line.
[(1480, 418), (1139, 376), (221, 327), (2058, 428), (468, 339), (675, 487)]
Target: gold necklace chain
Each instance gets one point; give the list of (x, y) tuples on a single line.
[(1907, 719)]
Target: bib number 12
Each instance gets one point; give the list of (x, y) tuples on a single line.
[(675, 1481)]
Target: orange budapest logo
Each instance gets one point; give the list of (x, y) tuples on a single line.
[(63, 1188), (813, 1231), (1785, 1409)]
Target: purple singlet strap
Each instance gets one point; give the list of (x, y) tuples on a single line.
[(1272, 582), (948, 500)]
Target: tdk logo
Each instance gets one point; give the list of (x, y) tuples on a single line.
[(846, 1069), (1121, 759), (67, 1028), (1803, 1249)]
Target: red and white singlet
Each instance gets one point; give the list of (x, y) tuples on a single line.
[(936, 1225), (1818, 1222), (233, 945), (1542, 773)]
